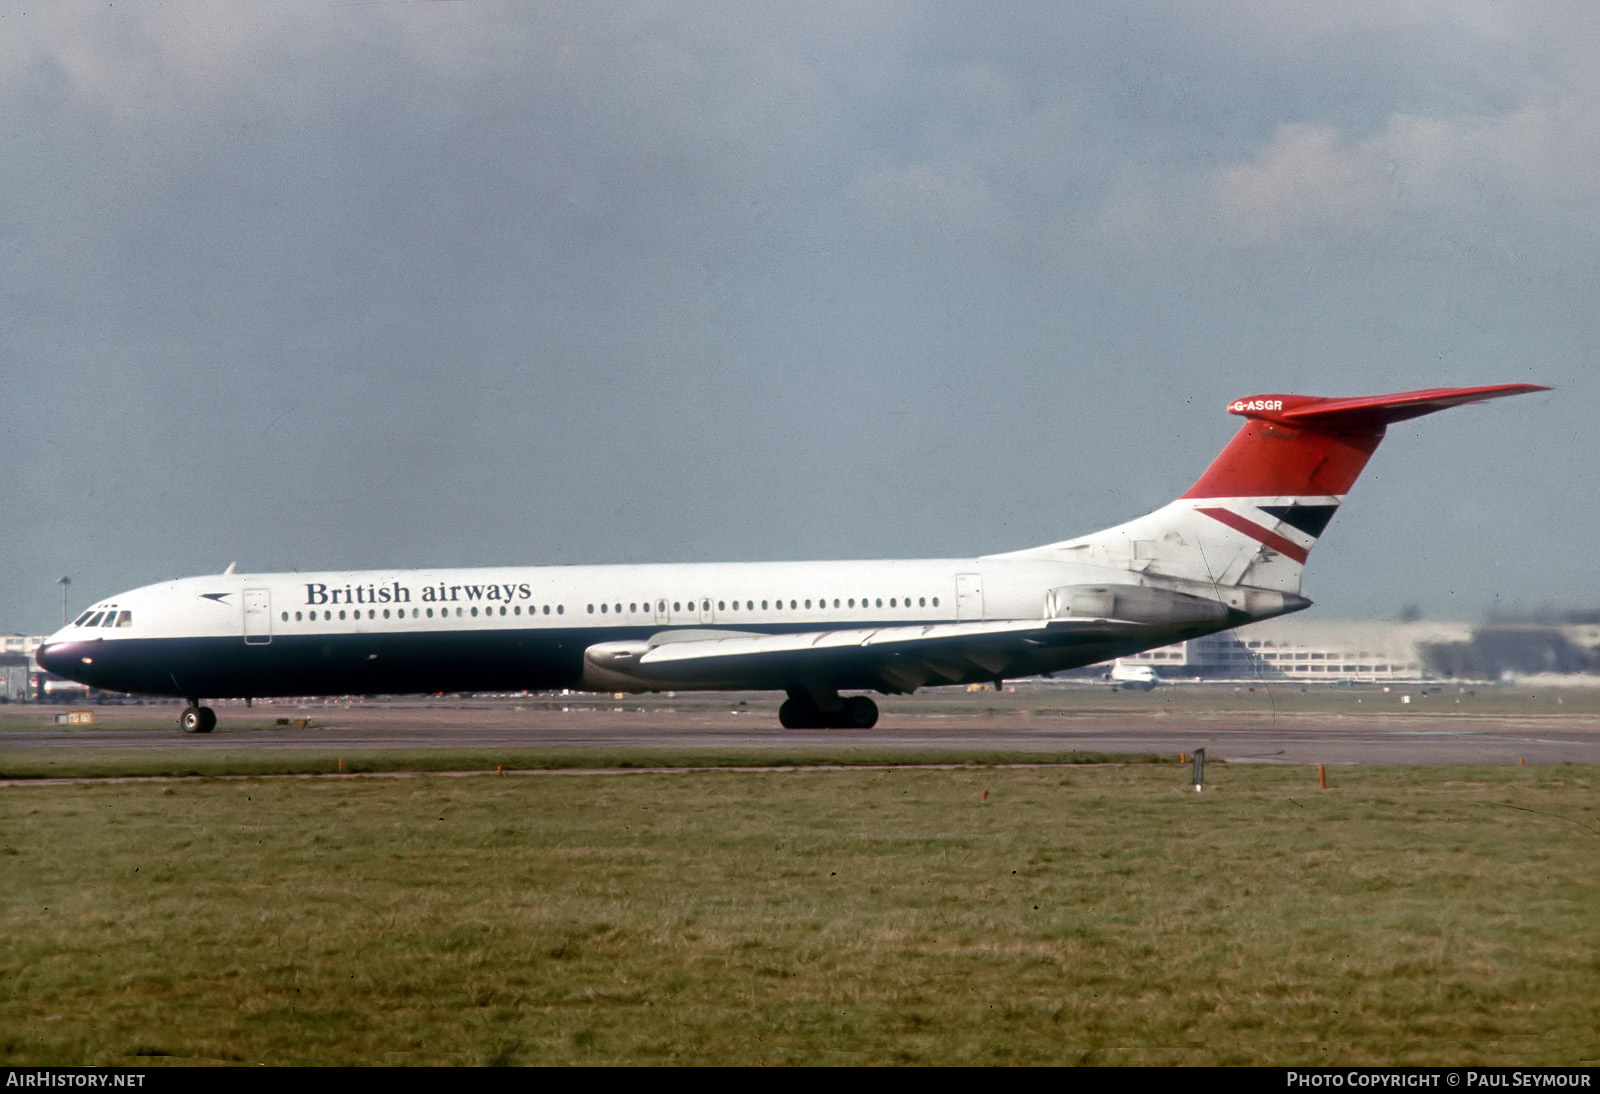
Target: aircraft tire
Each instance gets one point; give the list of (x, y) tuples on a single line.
[(793, 715), (197, 720), (856, 712), (859, 713)]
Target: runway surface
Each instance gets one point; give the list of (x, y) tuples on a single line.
[(1289, 739)]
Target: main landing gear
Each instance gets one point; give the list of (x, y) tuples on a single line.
[(800, 711), (197, 719)]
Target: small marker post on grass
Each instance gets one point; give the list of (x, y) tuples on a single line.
[(1322, 777), (341, 765), (1199, 769)]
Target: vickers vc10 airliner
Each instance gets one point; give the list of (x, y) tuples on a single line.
[(1230, 551)]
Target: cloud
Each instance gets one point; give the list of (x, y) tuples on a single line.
[(1418, 178), (1306, 174)]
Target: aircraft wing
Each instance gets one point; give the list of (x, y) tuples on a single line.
[(893, 659)]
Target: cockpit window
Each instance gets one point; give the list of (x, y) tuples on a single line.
[(95, 622), (78, 622), (125, 619)]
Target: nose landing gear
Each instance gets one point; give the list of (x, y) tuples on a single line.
[(197, 719)]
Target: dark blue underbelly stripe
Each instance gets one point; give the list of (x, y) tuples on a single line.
[(406, 663)]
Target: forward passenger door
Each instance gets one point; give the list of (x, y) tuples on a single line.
[(257, 617)]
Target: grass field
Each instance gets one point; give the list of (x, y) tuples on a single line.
[(1104, 915), (179, 763)]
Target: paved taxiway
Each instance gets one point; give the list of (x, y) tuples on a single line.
[(1297, 739)]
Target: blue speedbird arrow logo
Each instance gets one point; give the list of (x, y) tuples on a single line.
[(215, 596)]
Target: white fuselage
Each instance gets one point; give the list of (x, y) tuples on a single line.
[(514, 628)]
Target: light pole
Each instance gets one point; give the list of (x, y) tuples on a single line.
[(64, 582)]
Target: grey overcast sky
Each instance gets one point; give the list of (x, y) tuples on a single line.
[(361, 284)]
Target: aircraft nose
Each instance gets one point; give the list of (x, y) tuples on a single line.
[(52, 657)]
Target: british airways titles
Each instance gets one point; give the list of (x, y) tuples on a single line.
[(318, 593)]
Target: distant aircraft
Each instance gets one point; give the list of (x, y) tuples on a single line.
[(1230, 551), (1133, 677)]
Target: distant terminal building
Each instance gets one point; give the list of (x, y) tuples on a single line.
[(21, 644), (1505, 649), (18, 674), (22, 681), (15, 679), (1286, 650)]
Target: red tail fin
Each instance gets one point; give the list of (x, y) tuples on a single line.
[(1305, 445)]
